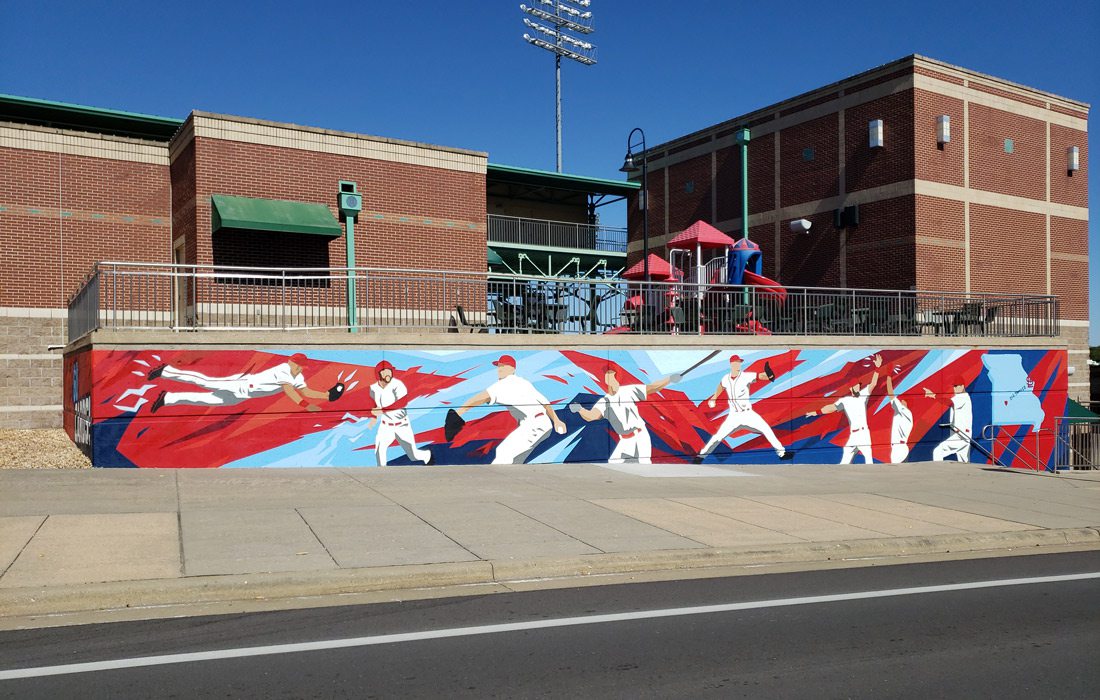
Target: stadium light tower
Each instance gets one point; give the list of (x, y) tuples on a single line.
[(559, 17)]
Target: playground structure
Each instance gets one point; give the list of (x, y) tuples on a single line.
[(717, 286)]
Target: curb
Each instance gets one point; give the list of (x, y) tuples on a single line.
[(149, 593)]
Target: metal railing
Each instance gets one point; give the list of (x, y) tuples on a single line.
[(555, 234), (186, 297), (1077, 444)]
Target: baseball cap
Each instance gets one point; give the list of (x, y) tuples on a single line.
[(506, 360), (299, 359), (384, 364), (736, 358), (610, 368), (958, 381)]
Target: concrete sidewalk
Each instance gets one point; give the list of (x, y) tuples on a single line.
[(88, 540)]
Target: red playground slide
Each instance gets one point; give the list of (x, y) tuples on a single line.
[(768, 286)]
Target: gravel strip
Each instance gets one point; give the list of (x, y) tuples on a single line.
[(39, 449)]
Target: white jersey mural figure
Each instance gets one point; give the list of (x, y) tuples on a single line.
[(900, 427), (620, 407), (854, 407), (741, 414), (286, 377), (531, 409), (393, 424), (962, 423)]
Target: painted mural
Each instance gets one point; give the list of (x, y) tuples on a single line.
[(720, 406)]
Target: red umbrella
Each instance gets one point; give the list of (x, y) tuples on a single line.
[(700, 234), (659, 269)]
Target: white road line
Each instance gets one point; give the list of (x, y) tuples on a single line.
[(517, 627)]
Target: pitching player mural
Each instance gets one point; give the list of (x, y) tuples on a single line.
[(620, 407), (392, 417), (961, 424), (854, 407), (285, 377), (532, 410), (741, 414)]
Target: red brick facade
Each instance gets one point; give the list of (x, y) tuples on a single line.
[(62, 213)]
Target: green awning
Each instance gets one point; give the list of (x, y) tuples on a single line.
[(273, 215), (493, 257), (1076, 411)]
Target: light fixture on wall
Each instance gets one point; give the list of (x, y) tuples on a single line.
[(943, 129), (1074, 158), (875, 133)]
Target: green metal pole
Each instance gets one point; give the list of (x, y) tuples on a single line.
[(742, 138), (353, 312)]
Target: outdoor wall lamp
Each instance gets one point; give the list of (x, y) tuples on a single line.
[(943, 129), (875, 133), (1074, 158)]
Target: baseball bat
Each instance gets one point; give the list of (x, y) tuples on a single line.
[(705, 359)]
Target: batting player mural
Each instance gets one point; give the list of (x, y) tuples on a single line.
[(158, 408)]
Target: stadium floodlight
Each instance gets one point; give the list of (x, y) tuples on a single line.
[(559, 17)]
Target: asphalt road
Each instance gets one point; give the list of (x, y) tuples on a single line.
[(774, 637)]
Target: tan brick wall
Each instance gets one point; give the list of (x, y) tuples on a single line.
[(31, 376)]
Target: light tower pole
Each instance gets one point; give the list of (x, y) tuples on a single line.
[(562, 16)]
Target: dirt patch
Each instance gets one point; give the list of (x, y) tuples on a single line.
[(39, 449)]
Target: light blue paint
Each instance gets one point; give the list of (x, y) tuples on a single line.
[(1014, 402)]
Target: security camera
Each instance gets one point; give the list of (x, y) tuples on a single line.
[(801, 226)]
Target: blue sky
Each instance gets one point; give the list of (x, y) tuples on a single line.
[(459, 74)]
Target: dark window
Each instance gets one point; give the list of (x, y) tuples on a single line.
[(280, 250)]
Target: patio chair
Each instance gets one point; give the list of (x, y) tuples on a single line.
[(466, 323)]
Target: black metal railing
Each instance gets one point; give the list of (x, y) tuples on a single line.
[(186, 297)]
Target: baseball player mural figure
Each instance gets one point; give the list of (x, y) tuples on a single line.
[(285, 377), (531, 409), (620, 407), (393, 423), (854, 407), (741, 414), (900, 426), (962, 423)]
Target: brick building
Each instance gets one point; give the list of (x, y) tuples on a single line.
[(999, 207), (79, 185)]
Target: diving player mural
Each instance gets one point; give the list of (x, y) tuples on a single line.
[(227, 408)]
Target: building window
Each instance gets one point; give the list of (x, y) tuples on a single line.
[(689, 186), (1010, 146), (272, 249), (807, 154)]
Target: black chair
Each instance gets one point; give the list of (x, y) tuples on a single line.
[(511, 318), (970, 316), (678, 317), (465, 322)]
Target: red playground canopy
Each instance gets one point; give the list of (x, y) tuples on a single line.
[(659, 270), (700, 233)]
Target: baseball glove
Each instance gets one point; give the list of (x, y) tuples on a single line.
[(769, 371), (336, 391), (452, 424)]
